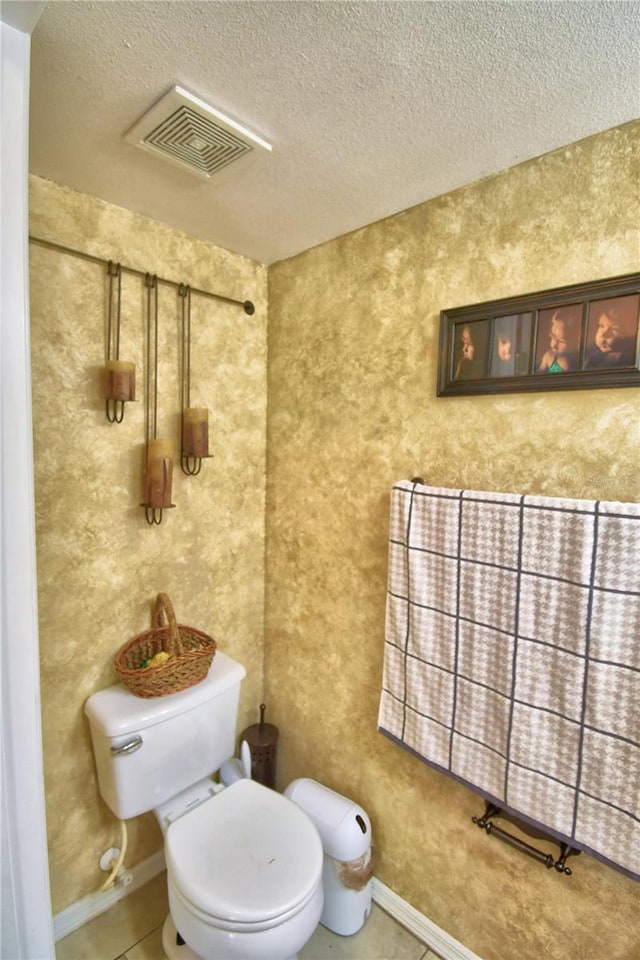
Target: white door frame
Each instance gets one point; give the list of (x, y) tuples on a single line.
[(27, 930)]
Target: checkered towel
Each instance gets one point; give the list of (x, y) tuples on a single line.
[(512, 656)]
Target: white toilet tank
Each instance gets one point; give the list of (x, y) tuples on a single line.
[(148, 750)]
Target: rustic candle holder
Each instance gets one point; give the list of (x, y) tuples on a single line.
[(120, 376), (195, 420), (158, 479), (195, 439), (159, 453)]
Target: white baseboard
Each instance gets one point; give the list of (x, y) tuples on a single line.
[(92, 906), (420, 926)]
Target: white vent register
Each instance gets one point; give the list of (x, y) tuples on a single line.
[(189, 133)]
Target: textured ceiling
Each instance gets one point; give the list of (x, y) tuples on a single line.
[(371, 107)]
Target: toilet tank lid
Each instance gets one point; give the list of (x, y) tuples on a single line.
[(115, 711)]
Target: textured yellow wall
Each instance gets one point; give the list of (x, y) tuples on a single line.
[(99, 564), (353, 336)]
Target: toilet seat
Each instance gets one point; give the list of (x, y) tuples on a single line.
[(248, 858), (234, 926)]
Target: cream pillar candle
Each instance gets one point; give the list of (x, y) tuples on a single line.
[(195, 434), (120, 380), (159, 476)]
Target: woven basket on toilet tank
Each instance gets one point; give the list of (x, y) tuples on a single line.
[(190, 654)]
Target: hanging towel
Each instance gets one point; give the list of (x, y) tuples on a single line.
[(512, 656)]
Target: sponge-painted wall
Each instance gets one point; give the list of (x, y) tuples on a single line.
[(99, 564), (353, 342)]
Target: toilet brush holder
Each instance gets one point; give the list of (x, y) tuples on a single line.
[(263, 745)]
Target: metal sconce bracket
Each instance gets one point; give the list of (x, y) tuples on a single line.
[(194, 422), (153, 515), (114, 410), (159, 467), (190, 465), (120, 377)]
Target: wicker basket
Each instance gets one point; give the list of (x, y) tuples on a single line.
[(191, 653)]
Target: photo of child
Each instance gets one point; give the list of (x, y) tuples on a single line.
[(612, 333), (510, 345), (471, 350), (558, 339)]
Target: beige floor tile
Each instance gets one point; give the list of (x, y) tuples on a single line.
[(112, 933), (395, 943), (381, 938), (132, 930), (148, 949)]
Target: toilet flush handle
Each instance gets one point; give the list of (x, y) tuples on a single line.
[(126, 748)]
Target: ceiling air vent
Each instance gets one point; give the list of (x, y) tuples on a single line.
[(189, 133)]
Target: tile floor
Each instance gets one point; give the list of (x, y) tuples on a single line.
[(132, 930)]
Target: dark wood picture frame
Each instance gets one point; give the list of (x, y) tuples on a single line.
[(568, 338)]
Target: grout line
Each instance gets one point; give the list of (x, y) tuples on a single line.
[(135, 944)]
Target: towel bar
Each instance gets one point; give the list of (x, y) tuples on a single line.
[(566, 850)]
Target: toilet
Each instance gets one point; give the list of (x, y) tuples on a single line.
[(244, 863)]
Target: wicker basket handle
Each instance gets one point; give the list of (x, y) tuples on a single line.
[(164, 609)]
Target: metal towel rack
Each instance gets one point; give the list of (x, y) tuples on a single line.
[(548, 859)]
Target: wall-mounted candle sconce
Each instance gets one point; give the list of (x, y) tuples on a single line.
[(120, 380), (158, 453), (158, 478), (120, 376), (195, 420)]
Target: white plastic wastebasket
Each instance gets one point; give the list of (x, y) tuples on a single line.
[(345, 830)]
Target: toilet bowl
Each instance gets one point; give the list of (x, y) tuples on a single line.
[(244, 875), (244, 863)]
